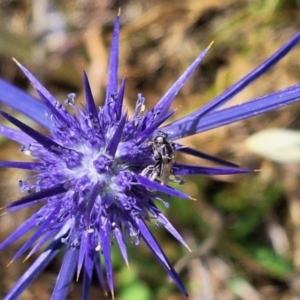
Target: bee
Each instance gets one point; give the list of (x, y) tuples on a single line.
[(163, 155)]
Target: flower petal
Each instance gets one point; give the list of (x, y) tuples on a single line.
[(245, 81), (89, 98), (119, 101), (35, 269), (106, 245), (65, 275), (181, 169), (24, 228), (197, 153), (112, 82), (39, 137), (35, 166), (88, 272), (161, 188), (232, 114), (23, 103), (165, 222), (15, 135), (46, 225), (165, 102), (121, 242), (37, 197), (157, 251), (116, 137)]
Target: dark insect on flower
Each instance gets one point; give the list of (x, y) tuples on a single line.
[(162, 148), (163, 155), (89, 170)]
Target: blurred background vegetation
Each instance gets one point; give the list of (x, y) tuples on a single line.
[(244, 230)]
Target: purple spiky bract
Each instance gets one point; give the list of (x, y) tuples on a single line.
[(88, 171)]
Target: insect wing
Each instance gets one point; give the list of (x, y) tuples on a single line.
[(165, 172)]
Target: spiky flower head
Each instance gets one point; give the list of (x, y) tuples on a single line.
[(98, 173)]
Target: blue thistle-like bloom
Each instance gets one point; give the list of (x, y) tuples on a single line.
[(89, 172)]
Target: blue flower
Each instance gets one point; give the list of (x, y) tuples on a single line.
[(99, 174)]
